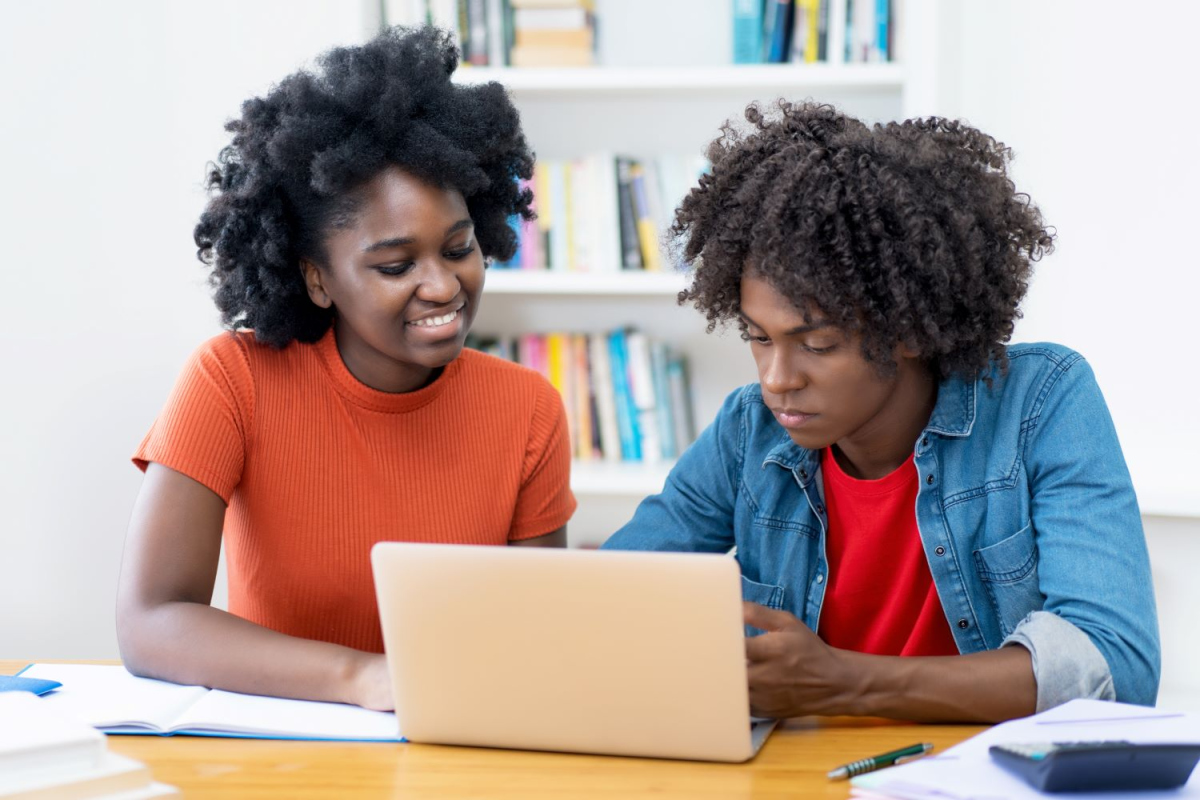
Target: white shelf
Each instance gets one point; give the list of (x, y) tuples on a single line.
[(531, 81), (547, 282), (620, 478)]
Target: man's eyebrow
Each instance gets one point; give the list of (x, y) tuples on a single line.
[(400, 241), (794, 331)]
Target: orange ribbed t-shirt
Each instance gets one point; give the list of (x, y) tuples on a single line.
[(316, 467)]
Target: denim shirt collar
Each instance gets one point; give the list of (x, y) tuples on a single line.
[(954, 412), (953, 415)]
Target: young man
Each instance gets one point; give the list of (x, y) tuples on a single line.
[(930, 525)]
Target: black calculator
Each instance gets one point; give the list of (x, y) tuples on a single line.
[(1098, 766)]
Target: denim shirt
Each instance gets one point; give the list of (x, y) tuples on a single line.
[(1026, 513)]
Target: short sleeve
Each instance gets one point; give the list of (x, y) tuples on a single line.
[(545, 502), (203, 429)]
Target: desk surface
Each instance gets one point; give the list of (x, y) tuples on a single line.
[(792, 764)]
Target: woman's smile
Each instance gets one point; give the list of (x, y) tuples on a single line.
[(437, 326)]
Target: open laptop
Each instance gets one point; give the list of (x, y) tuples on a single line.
[(620, 653)]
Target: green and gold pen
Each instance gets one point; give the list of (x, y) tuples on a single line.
[(879, 762)]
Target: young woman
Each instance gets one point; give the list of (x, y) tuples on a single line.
[(930, 525), (352, 216)]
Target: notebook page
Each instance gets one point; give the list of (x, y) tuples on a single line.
[(276, 717), (110, 697)]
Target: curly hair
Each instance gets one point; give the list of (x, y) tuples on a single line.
[(300, 154), (906, 232)]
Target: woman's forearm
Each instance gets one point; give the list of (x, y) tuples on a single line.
[(196, 644)]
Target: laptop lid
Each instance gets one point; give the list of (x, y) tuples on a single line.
[(623, 653)]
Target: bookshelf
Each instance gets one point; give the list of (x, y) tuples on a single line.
[(620, 284), (544, 81), (653, 94)]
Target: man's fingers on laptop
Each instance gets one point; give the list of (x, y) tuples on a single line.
[(767, 619), (761, 648)]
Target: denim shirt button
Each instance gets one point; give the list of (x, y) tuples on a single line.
[(804, 474), (820, 578), (925, 441), (963, 624), (820, 508), (941, 551), (929, 479)]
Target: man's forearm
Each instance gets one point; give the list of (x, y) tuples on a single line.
[(980, 687)]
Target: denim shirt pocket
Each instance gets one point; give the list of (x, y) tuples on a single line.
[(1009, 573), (765, 594)]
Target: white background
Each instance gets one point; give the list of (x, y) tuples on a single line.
[(109, 111)]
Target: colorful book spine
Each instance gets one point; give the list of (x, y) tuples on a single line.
[(882, 25), (777, 31), (659, 359), (646, 230), (625, 395), (627, 421), (747, 31), (606, 408)]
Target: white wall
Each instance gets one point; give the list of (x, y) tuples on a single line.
[(108, 114), (109, 111), (1100, 109)]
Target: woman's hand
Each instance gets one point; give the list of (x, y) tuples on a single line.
[(371, 683), (792, 671)]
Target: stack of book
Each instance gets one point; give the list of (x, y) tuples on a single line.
[(870, 33), (45, 754), (553, 33), (801, 31), (627, 396), (518, 33), (603, 213)]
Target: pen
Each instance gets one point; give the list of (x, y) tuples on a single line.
[(879, 762)]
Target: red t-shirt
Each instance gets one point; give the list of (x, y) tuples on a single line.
[(880, 597)]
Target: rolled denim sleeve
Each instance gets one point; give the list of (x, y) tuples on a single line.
[(694, 512), (1066, 664), (1093, 566)]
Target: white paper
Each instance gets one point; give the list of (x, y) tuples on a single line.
[(110, 698), (967, 772)]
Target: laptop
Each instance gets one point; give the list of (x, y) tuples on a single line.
[(585, 651)]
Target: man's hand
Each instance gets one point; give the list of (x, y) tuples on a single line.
[(792, 672)]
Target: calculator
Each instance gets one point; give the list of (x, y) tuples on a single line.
[(1098, 766)]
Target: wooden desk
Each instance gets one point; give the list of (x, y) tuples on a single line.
[(792, 764)]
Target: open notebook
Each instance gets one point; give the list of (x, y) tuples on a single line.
[(111, 699)]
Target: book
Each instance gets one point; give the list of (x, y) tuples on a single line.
[(641, 390), (747, 31), (627, 413), (680, 389), (115, 776), (550, 57), (46, 753), (113, 700), (606, 409), (34, 736), (631, 247), (659, 358), (644, 218), (564, 18), (777, 31)]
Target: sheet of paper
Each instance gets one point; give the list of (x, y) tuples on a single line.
[(108, 696), (967, 772), (244, 713)]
